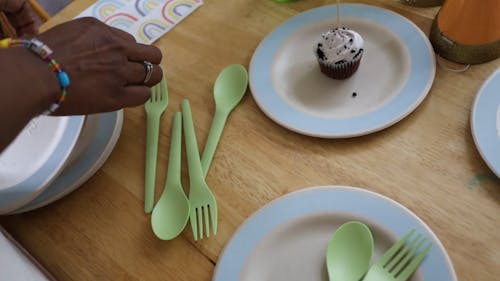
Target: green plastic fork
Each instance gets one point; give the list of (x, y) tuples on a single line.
[(155, 107), (203, 205), (400, 261)]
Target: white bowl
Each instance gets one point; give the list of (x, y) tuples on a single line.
[(87, 134), (98, 138), (35, 158)]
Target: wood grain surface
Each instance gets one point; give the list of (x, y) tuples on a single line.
[(427, 162)]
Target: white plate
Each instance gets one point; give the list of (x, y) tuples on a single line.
[(395, 75), (35, 158), (485, 121), (104, 137), (286, 240)]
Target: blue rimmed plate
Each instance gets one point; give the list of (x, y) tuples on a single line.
[(107, 132), (395, 75), (35, 158), (287, 239), (485, 122)]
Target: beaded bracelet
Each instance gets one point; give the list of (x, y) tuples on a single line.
[(44, 52)]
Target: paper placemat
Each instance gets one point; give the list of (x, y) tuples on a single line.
[(146, 20)]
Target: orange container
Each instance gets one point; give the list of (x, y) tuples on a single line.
[(470, 22), (467, 31)]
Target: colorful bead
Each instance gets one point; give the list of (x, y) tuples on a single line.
[(44, 52), (63, 79), (37, 47), (54, 67), (5, 43), (53, 107)]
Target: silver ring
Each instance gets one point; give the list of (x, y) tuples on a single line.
[(149, 71)]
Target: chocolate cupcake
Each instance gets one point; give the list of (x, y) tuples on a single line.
[(339, 52)]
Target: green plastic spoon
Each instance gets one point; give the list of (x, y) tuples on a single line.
[(229, 88), (349, 252), (171, 213)]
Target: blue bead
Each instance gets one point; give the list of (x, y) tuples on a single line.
[(63, 79)]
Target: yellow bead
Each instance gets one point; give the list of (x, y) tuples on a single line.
[(4, 43)]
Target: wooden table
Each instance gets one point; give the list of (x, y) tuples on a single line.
[(427, 162)]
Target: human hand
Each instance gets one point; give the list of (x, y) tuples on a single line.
[(105, 66), (20, 16)]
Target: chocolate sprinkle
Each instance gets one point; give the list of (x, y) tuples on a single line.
[(358, 54)]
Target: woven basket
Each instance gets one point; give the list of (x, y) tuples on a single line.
[(466, 54), (423, 3)]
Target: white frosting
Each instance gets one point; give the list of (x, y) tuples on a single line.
[(339, 44)]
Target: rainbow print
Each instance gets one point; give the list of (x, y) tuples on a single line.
[(144, 7), (177, 9), (121, 20), (152, 29), (105, 8), (146, 20)]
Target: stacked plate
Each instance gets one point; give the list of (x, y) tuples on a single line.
[(485, 122), (53, 156)]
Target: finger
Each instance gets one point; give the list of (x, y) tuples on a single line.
[(29, 29), (135, 73), (3, 25), (135, 95), (24, 24), (12, 6), (22, 20), (140, 52)]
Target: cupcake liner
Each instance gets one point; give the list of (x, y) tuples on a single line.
[(341, 70)]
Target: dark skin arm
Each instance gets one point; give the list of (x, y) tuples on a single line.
[(104, 65), (19, 103)]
